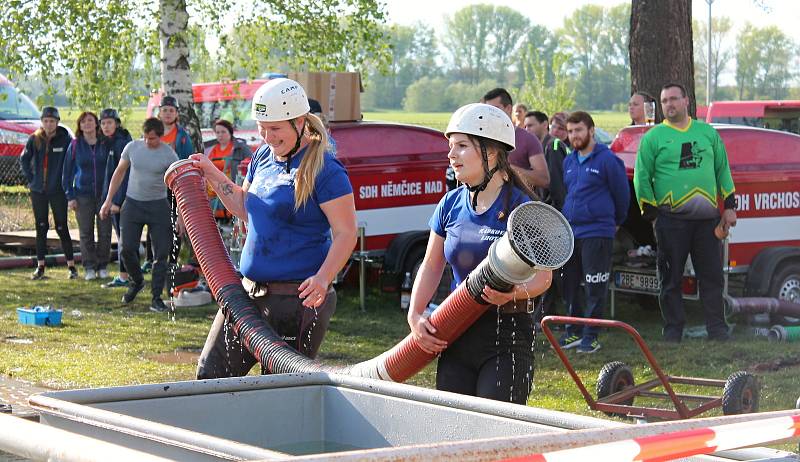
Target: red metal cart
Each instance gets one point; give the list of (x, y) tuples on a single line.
[(616, 388)]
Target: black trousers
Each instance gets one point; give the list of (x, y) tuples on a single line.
[(586, 276), (677, 239), (492, 359), (133, 216), (95, 253), (57, 202), (302, 328)]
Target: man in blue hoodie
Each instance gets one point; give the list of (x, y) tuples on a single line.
[(596, 205)]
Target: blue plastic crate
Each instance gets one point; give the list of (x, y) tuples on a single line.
[(39, 316)]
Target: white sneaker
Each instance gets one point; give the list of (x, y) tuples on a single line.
[(90, 275), (103, 274)]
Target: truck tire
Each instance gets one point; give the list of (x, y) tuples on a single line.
[(615, 376), (740, 395), (413, 261), (785, 285)]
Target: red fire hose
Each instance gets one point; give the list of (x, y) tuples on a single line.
[(405, 359)]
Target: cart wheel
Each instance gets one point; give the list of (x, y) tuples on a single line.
[(741, 394), (615, 376)]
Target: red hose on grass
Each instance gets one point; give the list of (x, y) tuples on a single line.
[(405, 359)]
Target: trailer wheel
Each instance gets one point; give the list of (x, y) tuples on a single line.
[(786, 286), (740, 395), (615, 376)]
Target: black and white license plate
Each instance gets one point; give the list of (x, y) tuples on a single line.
[(637, 281)]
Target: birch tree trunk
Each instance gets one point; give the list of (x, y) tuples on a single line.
[(176, 80), (661, 47)]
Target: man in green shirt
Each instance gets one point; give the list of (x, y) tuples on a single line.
[(681, 170)]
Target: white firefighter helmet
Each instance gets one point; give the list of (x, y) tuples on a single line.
[(483, 120), (279, 99)]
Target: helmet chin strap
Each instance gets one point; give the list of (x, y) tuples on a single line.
[(487, 176), (296, 144)]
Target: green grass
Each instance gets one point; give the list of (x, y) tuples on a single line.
[(609, 121), (132, 119), (437, 120), (110, 344)]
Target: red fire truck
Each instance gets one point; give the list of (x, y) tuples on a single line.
[(398, 176), (230, 100), (763, 251)]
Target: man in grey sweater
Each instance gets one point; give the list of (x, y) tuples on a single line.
[(145, 204)]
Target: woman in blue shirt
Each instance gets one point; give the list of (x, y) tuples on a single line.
[(493, 358), (301, 228), (83, 180)]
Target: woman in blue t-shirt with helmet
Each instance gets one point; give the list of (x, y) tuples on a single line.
[(493, 358), (301, 228)]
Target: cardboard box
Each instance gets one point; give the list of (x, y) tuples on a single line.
[(339, 93)]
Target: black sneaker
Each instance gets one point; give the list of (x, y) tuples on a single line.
[(158, 305), (73, 273), (38, 273), (133, 290)]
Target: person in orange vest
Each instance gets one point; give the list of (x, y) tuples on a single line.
[(227, 151), (174, 135)]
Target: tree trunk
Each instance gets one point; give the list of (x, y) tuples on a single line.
[(176, 80), (661, 47)]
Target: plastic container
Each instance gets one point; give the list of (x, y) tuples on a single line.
[(39, 316)]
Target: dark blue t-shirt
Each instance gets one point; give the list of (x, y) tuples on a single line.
[(284, 244), (468, 235)]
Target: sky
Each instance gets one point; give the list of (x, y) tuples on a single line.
[(783, 13)]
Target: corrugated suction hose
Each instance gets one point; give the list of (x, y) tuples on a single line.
[(539, 238)]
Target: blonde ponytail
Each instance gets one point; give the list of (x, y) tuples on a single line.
[(312, 162)]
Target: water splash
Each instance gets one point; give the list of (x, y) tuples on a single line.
[(308, 342), (497, 346), (172, 261)]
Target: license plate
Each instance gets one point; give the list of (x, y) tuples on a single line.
[(637, 281)]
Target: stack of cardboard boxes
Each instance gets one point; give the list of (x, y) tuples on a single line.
[(339, 93)]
